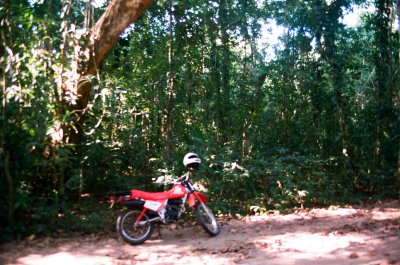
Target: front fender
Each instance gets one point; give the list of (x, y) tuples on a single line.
[(196, 195)]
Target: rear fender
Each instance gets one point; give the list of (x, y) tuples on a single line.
[(120, 196), (196, 195), (133, 203), (139, 205)]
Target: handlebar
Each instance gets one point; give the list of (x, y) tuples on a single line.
[(184, 177), (161, 179), (180, 179)]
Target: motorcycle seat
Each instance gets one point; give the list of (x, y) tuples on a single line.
[(156, 196)]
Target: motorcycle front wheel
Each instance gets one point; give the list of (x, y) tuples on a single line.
[(206, 219), (130, 231)]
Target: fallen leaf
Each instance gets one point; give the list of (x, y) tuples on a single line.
[(353, 255)]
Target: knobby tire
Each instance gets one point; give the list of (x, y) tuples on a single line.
[(207, 219)]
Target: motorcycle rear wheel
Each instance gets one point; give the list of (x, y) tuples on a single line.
[(131, 233), (206, 219)]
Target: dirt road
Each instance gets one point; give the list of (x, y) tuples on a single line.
[(368, 235)]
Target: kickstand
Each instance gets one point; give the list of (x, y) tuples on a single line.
[(159, 230)]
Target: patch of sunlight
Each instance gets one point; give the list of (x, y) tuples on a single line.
[(61, 258), (316, 244), (352, 16)]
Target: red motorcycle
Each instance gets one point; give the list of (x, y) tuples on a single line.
[(145, 209)]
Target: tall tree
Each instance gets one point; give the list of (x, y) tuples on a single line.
[(330, 54), (224, 91), (398, 93), (5, 153), (385, 77), (170, 88), (99, 42)]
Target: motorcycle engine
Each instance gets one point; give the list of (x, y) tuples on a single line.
[(173, 209)]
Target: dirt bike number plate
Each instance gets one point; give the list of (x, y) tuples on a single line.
[(152, 205)]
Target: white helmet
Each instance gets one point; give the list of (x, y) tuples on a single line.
[(191, 161)]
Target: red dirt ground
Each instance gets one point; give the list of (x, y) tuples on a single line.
[(358, 235)]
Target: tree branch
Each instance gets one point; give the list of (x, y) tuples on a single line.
[(106, 32)]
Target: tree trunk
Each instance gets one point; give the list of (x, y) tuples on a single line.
[(11, 190), (398, 167), (171, 78), (4, 152), (384, 73), (398, 93), (225, 97), (258, 70), (101, 39), (215, 113), (330, 54), (107, 30)]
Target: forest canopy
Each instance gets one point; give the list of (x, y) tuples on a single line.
[(311, 120)]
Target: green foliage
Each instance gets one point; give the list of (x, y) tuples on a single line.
[(278, 180)]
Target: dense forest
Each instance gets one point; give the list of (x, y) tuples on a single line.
[(311, 120)]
